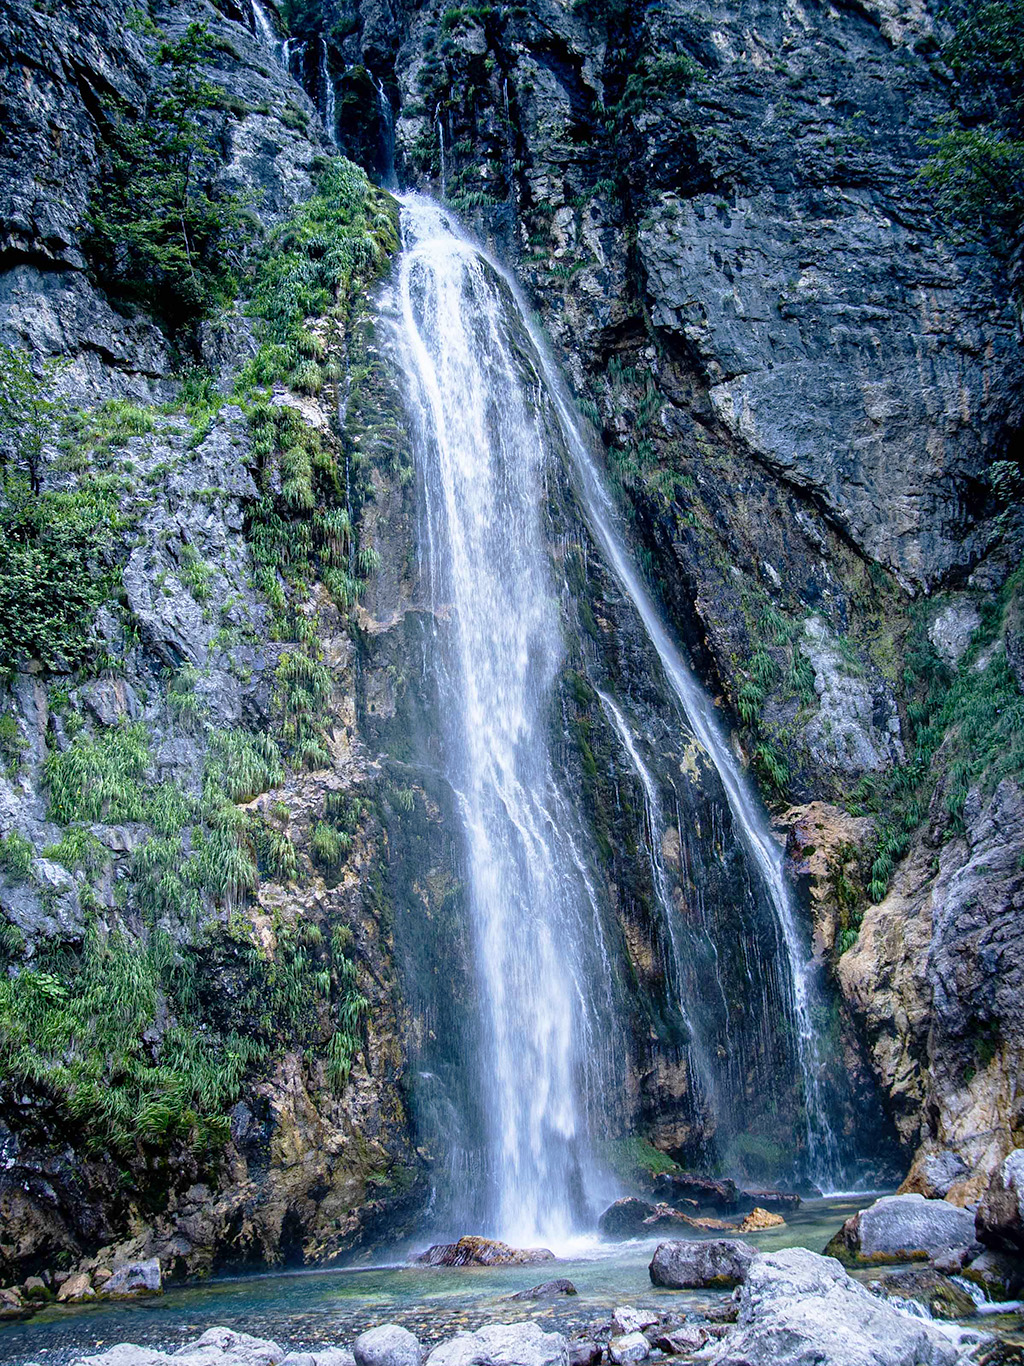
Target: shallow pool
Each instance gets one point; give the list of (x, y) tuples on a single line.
[(306, 1308)]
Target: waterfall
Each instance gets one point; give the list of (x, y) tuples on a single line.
[(389, 179), (440, 142), (480, 381), (764, 853), (268, 33), (328, 111), (700, 1066), (547, 1030)]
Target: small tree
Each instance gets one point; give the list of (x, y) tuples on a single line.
[(26, 416), (160, 231)]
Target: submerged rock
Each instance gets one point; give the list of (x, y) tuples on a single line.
[(547, 1290), (503, 1344), (715, 1264), (899, 1228), (940, 1296), (473, 1251), (388, 1345), (800, 1309)]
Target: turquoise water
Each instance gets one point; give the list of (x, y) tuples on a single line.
[(306, 1308)]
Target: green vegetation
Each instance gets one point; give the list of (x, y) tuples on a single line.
[(965, 729), (160, 232), (101, 778), (15, 856), (976, 167), (634, 1158)]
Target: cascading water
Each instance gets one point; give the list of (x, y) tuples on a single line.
[(268, 34), (547, 1030), (328, 98), (480, 378), (389, 178)]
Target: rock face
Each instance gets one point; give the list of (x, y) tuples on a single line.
[(897, 1227), (797, 1307), (715, 1264), (138, 1278), (518, 1344), (1000, 1217)]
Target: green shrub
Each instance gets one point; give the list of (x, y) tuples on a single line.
[(16, 856), (100, 779)]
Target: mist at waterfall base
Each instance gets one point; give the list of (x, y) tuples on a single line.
[(521, 1079)]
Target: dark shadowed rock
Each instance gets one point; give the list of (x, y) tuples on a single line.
[(709, 1194), (583, 1352), (942, 1297), (714, 1264), (547, 1290), (625, 1218)]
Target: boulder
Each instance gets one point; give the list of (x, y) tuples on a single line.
[(997, 1273), (12, 1306), (503, 1344), (758, 1219), (1000, 1218), (714, 1264), (134, 1279), (471, 1251), (799, 1309), (217, 1347), (626, 1319), (547, 1290), (625, 1218), (388, 1345), (940, 1296), (75, 1289), (682, 1340), (584, 1352), (627, 1348), (325, 1356), (900, 1228), (676, 1187)]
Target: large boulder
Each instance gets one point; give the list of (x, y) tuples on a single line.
[(388, 1345), (712, 1264), (900, 1228), (472, 1251), (628, 1348), (625, 1218), (503, 1344), (799, 1309), (134, 1279), (217, 1347), (1000, 1218)]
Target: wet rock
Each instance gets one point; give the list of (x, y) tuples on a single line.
[(503, 1344), (473, 1251), (934, 1173), (13, 1307), (625, 1218), (1000, 1218), (758, 1219), (951, 1263), (584, 1352), (627, 1348), (709, 1194), (134, 1279), (75, 1289), (388, 1345), (626, 1320), (997, 1273), (897, 1228), (547, 1290), (776, 1202), (939, 1295), (715, 1264), (681, 1341), (797, 1308), (35, 1288)]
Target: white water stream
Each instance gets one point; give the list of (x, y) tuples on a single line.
[(548, 1027)]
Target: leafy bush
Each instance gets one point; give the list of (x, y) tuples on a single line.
[(15, 856), (100, 779), (160, 231)]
